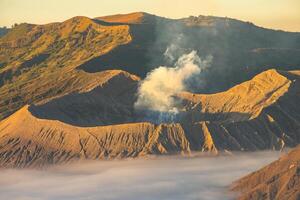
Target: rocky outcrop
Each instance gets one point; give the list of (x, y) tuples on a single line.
[(279, 180)]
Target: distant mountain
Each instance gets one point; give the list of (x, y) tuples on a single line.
[(98, 122), (38, 62), (3, 31), (279, 180)]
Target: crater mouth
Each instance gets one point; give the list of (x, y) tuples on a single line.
[(158, 117), (95, 115)]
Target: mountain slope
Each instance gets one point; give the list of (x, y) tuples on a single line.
[(248, 98), (38, 61), (99, 122), (44, 61), (44, 142), (233, 62), (278, 180)]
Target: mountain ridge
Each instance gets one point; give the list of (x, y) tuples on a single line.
[(61, 54)]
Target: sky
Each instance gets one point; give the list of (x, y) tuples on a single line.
[(276, 14)]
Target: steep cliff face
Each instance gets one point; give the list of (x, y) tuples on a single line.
[(279, 181), (99, 122)]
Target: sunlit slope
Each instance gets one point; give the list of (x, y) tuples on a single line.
[(130, 18), (48, 142), (257, 114), (99, 122), (279, 180), (248, 98)]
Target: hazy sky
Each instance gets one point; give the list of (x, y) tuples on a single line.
[(277, 14)]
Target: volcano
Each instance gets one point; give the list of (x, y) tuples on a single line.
[(68, 89), (39, 62), (99, 122)]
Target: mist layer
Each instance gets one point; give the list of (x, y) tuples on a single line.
[(204, 178)]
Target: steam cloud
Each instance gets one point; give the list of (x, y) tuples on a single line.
[(176, 178), (156, 92)]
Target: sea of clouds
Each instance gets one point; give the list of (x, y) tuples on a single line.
[(164, 178)]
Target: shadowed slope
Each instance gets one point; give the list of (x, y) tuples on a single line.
[(134, 57), (109, 102)]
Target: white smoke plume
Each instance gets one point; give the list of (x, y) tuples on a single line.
[(174, 51), (169, 53), (156, 92)]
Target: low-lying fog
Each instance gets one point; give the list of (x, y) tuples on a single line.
[(204, 178)]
